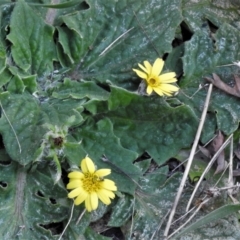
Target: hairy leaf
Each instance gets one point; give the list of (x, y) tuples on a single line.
[(203, 57), (30, 203), (32, 48), (107, 46), (19, 126), (148, 123), (98, 139)]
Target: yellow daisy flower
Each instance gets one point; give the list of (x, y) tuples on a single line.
[(89, 185), (155, 82)]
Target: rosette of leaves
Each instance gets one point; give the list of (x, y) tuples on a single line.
[(74, 60)]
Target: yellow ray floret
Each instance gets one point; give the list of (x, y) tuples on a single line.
[(161, 84)]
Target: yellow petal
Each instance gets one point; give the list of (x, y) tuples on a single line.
[(87, 165), (109, 194), (165, 89), (94, 200), (105, 194), (159, 91), (103, 197), (157, 67), (140, 73), (143, 68), (75, 192), (74, 184), (81, 198), (103, 172), (91, 202), (77, 175), (109, 185), (88, 204), (168, 77), (168, 87), (148, 66), (149, 89)]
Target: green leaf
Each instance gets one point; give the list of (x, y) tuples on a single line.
[(107, 46), (122, 211), (74, 153), (79, 90), (196, 12), (30, 83), (202, 58), (32, 48), (211, 217), (17, 81), (91, 235), (2, 57), (152, 202), (29, 203), (148, 123), (23, 120), (57, 112), (19, 126), (61, 5), (16, 85), (211, 53), (5, 77), (74, 230), (98, 139)]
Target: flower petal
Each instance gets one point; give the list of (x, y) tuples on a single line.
[(103, 197), (77, 175), (159, 91), (143, 68), (75, 192), (110, 194), (168, 77), (103, 172), (168, 87), (149, 89), (82, 197), (106, 193), (87, 165), (157, 67), (88, 203), (74, 184), (109, 185), (94, 200), (148, 66), (140, 73), (91, 202)]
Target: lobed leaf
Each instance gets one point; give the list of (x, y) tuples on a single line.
[(112, 37), (147, 123), (98, 139), (19, 126), (197, 12), (33, 48), (30, 203), (203, 57)]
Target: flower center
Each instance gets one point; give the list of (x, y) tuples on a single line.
[(91, 182), (153, 82)]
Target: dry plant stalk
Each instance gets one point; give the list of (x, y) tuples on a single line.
[(207, 169), (187, 169)]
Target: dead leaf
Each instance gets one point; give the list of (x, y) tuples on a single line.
[(205, 151), (217, 82), (212, 148)]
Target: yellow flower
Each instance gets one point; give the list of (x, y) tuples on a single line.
[(155, 82), (89, 185)]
